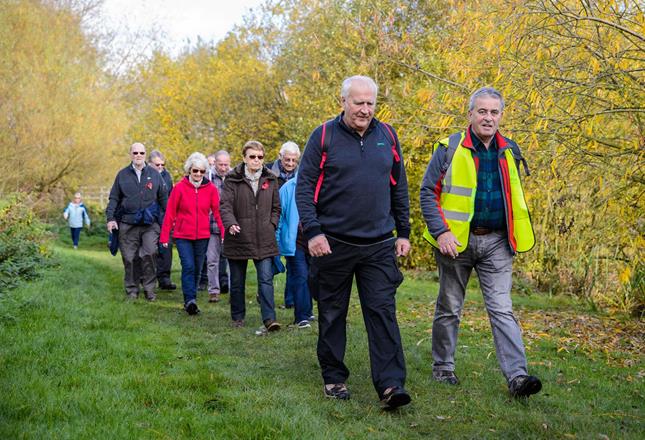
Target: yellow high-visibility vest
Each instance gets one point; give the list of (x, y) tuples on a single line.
[(457, 200)]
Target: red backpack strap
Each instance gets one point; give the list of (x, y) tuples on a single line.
[(395, 153), (323, 159)]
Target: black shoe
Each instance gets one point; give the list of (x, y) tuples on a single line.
[(445, 376), (191, 308), (524, 386), (223, 289), (395, 397), (167, 286), (337, 391)]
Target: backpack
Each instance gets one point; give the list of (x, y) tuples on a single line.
[(453, 143), (394, 175)]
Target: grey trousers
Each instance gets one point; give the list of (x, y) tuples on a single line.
[(213, 253), (138, 246), (490, 255)]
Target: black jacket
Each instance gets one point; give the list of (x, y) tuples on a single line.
[(129, 197), (356, 199)]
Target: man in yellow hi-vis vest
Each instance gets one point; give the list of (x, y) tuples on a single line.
[(473, 204)]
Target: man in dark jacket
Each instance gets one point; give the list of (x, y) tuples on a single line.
[(164, 257), (348, 211), (137, 198)]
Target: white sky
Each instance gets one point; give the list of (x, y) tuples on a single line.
[(179, 21)]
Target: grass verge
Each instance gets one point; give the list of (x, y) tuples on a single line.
[(78, 361)]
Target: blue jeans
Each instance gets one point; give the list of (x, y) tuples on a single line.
[(264, 270), (191, 254), (297, 272), (76, 234)]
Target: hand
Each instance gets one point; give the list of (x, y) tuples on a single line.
[(448, 244), (319, 246), (111, 225), (234, 230), (165, 245), (402, 247)]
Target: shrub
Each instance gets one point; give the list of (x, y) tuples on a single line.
[(23, 242)]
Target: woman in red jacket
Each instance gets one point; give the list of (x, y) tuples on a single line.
[(187, 214)]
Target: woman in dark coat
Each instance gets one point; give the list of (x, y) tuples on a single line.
[(250, 211)]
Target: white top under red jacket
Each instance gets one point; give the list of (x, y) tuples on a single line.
[(188, 209)]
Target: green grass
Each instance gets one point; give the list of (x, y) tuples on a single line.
[(77, 361)]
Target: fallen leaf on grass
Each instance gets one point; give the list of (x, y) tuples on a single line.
[(443, 417)]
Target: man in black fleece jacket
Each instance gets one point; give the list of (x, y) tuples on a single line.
[(348, 211)]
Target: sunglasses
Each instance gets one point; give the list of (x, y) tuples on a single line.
[(253, 156), (196, 171), (160, 164), (142, 153)]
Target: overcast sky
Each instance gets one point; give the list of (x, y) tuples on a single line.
[(178, 20)]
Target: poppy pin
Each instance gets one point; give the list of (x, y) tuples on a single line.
[(149, 185), (265, 185)]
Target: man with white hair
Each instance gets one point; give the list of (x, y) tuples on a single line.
[(137, 198), (352, 193), (285, 168), (287, 164)]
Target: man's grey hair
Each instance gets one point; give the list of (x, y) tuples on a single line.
[(156, 154), (486, 91), (136, 144), (290, 147), (196, 160), (348, 82), (221, 153)]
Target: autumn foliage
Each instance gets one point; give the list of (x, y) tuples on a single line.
[(572, 73)]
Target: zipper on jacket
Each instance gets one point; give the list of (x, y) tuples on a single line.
[(197, 213)]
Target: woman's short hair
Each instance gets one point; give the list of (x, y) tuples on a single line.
[(252, 145), (291, 148), (196, 160)]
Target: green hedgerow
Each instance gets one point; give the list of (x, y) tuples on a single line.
[(23, 242)]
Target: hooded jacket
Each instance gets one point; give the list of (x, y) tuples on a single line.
[(188, 211), (256, 215)]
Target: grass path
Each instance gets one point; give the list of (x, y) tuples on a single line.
[(79, 362)]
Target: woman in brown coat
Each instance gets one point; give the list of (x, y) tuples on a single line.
[(250, 211)]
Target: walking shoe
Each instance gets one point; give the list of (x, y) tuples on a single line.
[(191, 308), (238, 323), (312, 318), (524, 386), (271, 325), (445, 376), (131, 295), (336, 391), (223, 289), (150, 296), (167, 286), (303, 324), (213, 298), (395, 397)]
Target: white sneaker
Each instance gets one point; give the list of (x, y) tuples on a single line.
[(304, 324)]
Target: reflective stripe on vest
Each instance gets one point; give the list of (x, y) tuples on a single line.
[(457, 200)]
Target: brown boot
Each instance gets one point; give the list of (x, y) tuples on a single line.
[(213, 297)]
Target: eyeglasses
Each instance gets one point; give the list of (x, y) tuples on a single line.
[(160, 164), (196, 171), (142, 153), (253, 156)]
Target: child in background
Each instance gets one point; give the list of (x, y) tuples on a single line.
[(76, 214)]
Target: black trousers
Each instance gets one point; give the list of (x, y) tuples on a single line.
[(164, 264), (377, 278)]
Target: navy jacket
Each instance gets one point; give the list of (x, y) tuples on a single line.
[(129, 198), (356, 199)]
